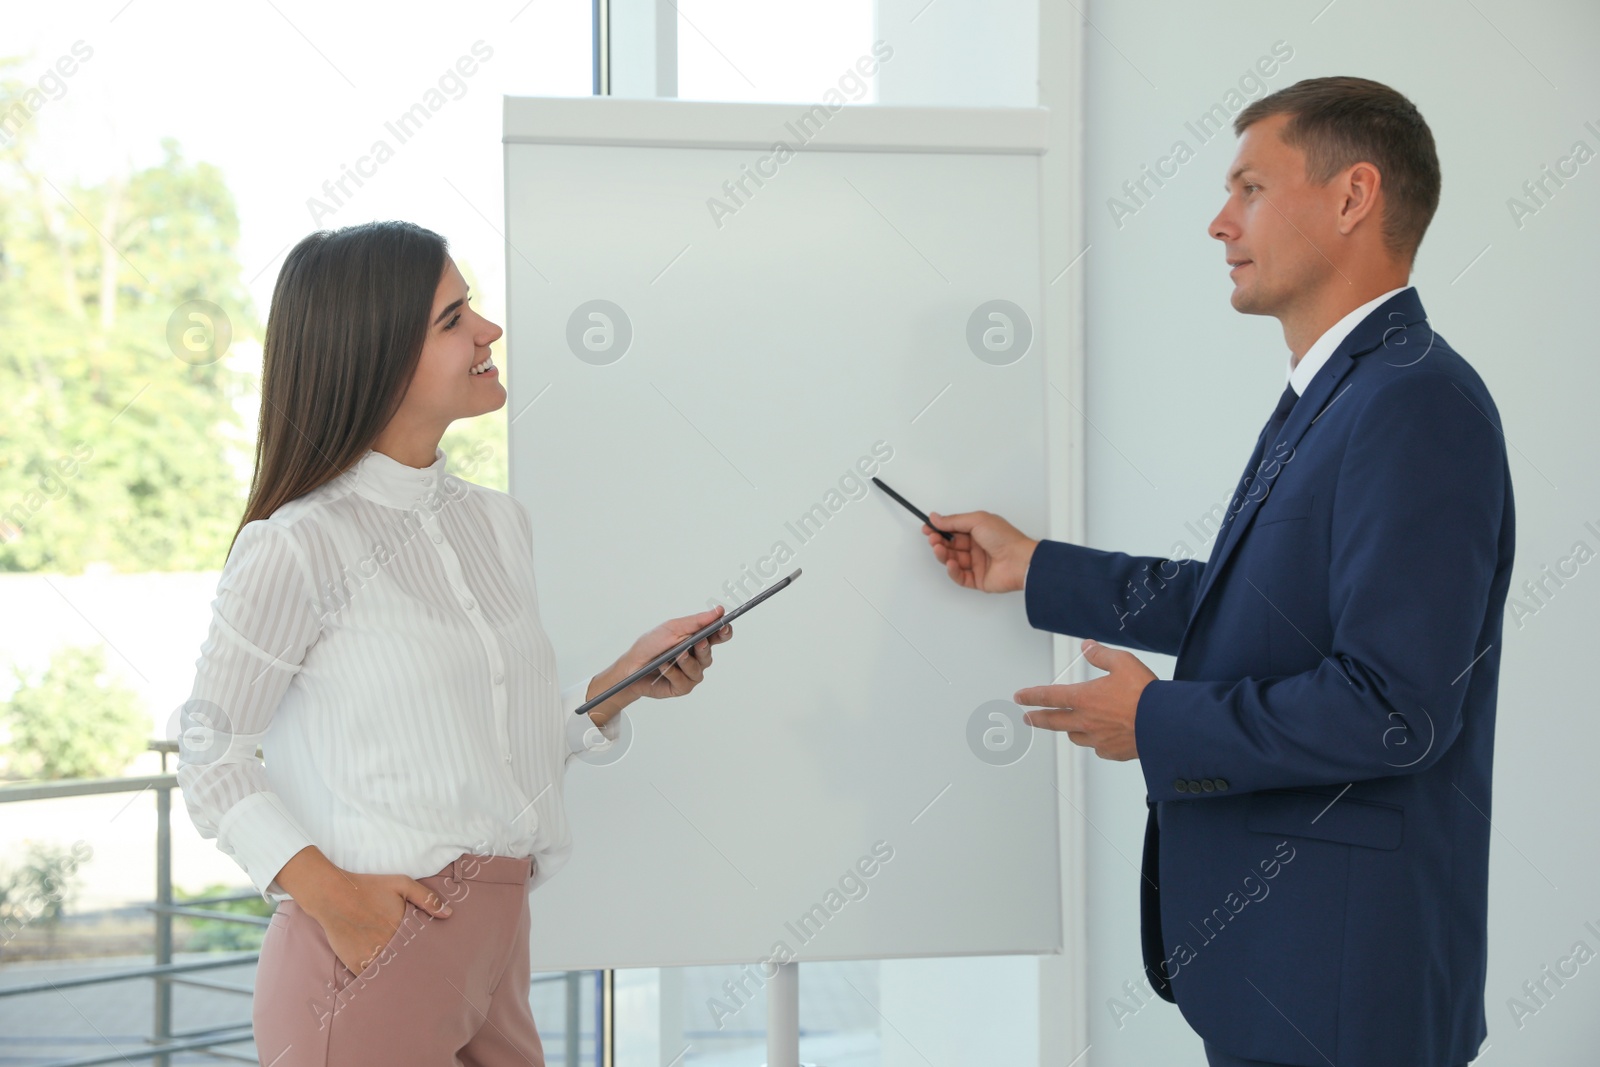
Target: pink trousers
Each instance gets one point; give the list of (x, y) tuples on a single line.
[(443, 992)]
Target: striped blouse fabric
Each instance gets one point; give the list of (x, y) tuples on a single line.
[(379, 639)]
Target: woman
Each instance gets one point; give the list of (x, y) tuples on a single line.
[(376, 632)]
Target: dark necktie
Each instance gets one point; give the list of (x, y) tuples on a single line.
[(1269, 434), (1280, 415)]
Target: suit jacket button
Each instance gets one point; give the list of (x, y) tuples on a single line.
[(1181, 786), (1194, 786), (1207, 784), (1222, 785)]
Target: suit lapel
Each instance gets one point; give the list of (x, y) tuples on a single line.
[(1379, 327)]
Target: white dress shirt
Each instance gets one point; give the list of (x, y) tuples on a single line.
[(379, 638), (1300, 374)]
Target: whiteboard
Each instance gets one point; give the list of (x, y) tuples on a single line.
[(844, 784)]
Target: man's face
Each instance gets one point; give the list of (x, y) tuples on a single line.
[(1274, 224)]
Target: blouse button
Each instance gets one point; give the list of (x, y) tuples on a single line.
[(436, 538), (469, 603), (498, 678)]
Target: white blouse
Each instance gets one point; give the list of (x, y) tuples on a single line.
[(379, 638)]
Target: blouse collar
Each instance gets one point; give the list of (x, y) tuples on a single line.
[(387, 481)]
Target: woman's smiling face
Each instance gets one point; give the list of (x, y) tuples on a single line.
[(444, 388)]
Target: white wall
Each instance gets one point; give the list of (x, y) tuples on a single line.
[(939, 1009), (963, 53)]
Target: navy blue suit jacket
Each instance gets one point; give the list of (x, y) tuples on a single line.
[(1316, 858)]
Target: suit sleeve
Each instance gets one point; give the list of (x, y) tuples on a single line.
[(1415, 534), (1140, 602)]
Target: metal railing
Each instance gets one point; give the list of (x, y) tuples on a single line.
[(164, 1041)]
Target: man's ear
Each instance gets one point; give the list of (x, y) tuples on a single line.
[(1362, 185)]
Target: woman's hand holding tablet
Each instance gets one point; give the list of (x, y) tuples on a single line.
[(669, 660)]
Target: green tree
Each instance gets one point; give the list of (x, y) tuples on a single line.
[(220, 935), (76, 721), (40, 889), (112, 448)]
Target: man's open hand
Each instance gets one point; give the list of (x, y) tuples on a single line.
[(1097, 714)]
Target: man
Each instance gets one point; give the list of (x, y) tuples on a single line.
[(1316, 853)]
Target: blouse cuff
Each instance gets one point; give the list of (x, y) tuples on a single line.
[(573, 696), (261, 836), (584, 736)]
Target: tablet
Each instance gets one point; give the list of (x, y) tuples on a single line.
[(687, 643)]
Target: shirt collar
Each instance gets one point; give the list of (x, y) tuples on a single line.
[(1301, 373), (387, 481)]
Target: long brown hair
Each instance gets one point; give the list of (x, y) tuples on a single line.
[(348, 320)]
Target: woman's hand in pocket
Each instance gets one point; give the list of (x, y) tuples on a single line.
[(363, 916)]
